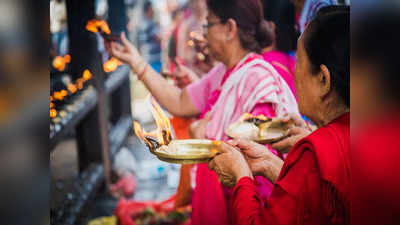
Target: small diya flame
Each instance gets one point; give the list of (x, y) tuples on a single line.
[(57, 95), (60, 62), (160, 136), (79, 83), (53, 113), (94, 25), (63, 93), (72, 88), (190, 43), (111, 64), (149, 139), (87, 75)]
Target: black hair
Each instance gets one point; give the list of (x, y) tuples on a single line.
[(283, 14), (146, 6), (253, 30), (327, 42)]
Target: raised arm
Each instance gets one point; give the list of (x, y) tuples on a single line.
[(176, 101)]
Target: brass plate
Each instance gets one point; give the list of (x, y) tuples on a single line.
[(264, 140), (269, 141), (184, 161), (189, 151)]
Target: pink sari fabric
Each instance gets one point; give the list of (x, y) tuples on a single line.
[(284, 64), (210, 199)]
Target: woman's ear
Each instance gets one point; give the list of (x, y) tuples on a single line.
[(272, 26), (232, 29), (325, 80)]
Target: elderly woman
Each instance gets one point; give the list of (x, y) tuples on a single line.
[(312, 186), (243, 83)]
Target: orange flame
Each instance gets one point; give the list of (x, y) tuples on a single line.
[(111, 64), (60, 62), (79, 83), (58, 96), (67, 58), (87, 75), (53, 113), (94, 25), (72, 88), (150, 138), (51, 105), (160, 136), (190, 43), (64, 93), (163, 123)]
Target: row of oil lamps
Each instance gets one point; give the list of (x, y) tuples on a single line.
[(60, 63)]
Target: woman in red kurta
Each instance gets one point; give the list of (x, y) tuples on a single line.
[(312, 186)]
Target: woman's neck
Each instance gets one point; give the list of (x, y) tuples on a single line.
[(234, 57), (269, 49), (331, 112)]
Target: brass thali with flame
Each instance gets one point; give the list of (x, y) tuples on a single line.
[(260, 129), (161, 143)]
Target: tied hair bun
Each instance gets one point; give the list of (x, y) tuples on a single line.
[(264, 34)]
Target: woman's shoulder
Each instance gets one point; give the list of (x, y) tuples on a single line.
[(260, 69)]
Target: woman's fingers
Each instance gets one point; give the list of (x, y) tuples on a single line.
[(244, 144), (120, 47), (125, 41), (284, 145), (295, 131), (225, 148), (298, 121)]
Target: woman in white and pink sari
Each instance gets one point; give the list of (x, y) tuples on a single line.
[(242, 82)]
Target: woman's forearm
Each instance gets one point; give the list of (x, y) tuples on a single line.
[(176, 101)]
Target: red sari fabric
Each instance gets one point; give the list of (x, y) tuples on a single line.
[(375, 155), (210, 201), (312, 188)]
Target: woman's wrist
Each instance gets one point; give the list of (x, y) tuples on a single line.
[(243, 172), (272, 169), (138, 65), (142, 74)]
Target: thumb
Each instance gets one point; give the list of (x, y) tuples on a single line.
[(244, 144), (295, 131)]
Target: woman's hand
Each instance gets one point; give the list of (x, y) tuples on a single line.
[(126, 53), (184, 75), (299, 130), (198, 128), (260, 160), (230, 165)]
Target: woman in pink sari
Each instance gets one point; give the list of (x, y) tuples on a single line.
[(236, 32), (280, 15)]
